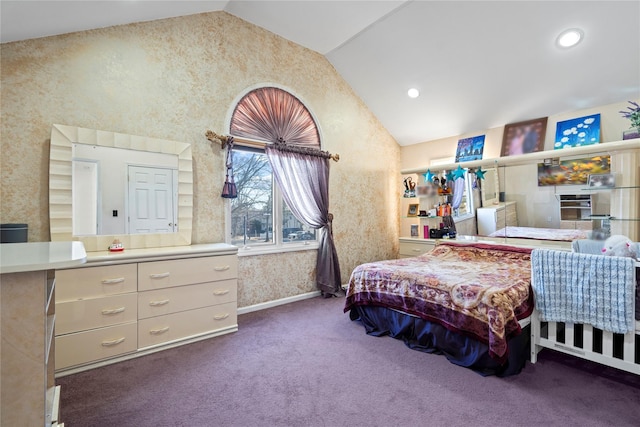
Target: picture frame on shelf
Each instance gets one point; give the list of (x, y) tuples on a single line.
[(572, 172), (413, 209), (602, 180), (524, 137), (470, 149), (414, 230), (578, 132)]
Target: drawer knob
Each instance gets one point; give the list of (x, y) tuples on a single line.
[(159, 331), (113, 281), (223, 268), (416, 250), (112, 342), (108, 312), (221, 292), (159, 275), (221, 316), (158, 303)]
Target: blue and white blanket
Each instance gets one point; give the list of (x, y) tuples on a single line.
[(584, 288)]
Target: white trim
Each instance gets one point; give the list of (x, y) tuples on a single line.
[(523, 159), (275, 303), (276, 249)]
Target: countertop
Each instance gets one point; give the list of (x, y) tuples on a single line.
[(33, 256)]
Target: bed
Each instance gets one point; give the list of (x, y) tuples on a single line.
[(548, 234), (467, 301)]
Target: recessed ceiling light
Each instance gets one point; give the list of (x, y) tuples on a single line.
[(413, 93), (569, 38)]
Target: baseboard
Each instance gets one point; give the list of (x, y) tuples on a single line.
[(275, 303)]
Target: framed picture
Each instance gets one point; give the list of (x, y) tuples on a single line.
[(414, 230), (523, 137), (578, 132), (470, 149), (572, 172), (602, 180), (413, 209)]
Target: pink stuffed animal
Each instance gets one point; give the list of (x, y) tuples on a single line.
[(618, 245)]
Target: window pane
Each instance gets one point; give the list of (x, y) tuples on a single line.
[(294, 231), (252, 210)]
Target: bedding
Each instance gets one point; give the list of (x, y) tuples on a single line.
[(584, 288), (477, 290), (557, 234)]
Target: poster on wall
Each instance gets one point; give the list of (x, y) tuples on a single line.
[(572, 172), (470, 149), (524, 137), (578, 132)]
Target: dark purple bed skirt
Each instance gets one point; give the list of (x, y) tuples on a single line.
[(429, 337)]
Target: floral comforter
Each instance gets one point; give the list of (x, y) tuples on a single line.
[(479, 290)]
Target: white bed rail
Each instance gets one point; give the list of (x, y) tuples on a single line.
[(585, 341)]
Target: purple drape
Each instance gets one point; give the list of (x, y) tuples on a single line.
[(229, 190), (303, 179)]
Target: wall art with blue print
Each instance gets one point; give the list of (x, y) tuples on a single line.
[(470, 149), (577, 132)]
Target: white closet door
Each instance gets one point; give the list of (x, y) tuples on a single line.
[(151, 200)]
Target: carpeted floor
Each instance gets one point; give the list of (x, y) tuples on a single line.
[(307, 364)]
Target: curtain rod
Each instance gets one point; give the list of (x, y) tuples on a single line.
[(222, 140)]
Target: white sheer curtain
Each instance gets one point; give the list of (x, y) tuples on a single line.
[(458, 192), (303, 179)]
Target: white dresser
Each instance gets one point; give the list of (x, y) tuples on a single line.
[(28, 394), (122, 305), (495, 217), (410, 247)]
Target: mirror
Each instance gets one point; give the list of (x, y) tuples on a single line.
[(87, 151), (489, 187)]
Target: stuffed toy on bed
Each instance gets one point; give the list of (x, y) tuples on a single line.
[(618, 245)]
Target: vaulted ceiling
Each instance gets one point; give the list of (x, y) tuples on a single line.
[(477, 64)]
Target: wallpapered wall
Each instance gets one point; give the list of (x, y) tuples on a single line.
[(174, 79)]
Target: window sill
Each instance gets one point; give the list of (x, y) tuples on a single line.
[(272, 249), (463, 217)]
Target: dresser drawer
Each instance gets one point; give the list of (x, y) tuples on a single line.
[(94, 282), (166, 274), (96, 344), (161, 329), (182, 298), (415, 248), (74, 316), (584, 225)]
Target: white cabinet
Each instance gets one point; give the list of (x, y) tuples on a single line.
[(495, 217), (124, 305), (28, 394), (414, 247), (576, 211), (96, 304), (182, 298)]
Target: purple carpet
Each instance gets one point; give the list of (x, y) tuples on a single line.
[(307, 364)]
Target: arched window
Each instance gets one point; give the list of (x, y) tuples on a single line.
[(260, 220), (271, 114)]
